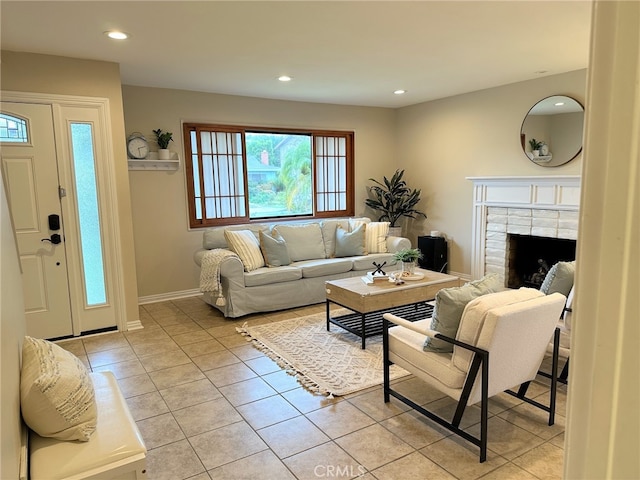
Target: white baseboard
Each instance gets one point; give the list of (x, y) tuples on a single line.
[(134, 325), (163, 297), (465, 277)]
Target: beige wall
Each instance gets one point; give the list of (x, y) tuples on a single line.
[(12, 331), (568, 127), (476, 134), (439, 143), (28, 72), (164, 244)]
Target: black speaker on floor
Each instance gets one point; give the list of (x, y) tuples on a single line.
[(434, 253)]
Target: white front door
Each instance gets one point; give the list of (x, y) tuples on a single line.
[(63, 167), (30, 169)]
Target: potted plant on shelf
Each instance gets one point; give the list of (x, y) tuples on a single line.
[(394, 199), (408, 257), (535, 147), (163, 139)]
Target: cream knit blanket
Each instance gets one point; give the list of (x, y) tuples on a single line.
[(210, 272)]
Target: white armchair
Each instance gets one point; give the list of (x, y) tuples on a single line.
[(500, 344), (564, 351)]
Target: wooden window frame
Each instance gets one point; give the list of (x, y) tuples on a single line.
[(194, 222)]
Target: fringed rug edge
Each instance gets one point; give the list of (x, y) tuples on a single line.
[(301, 377)]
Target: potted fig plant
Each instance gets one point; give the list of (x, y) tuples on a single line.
[(394, 199), (163, 139)]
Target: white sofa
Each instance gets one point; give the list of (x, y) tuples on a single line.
[(299, 283)]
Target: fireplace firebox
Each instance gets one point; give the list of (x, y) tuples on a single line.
[(530, 257)]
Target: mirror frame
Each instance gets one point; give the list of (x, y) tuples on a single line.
[(523, 139)]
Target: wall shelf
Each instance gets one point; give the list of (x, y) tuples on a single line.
[(540, 158), (153, 163)]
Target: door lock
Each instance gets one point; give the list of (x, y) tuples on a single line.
[(54, 222), (55, 239)]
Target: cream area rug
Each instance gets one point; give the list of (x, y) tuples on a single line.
[(330, 363)]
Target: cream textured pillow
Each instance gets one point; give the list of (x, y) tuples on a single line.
[(376, 235), (246, 246), (57, 398), (475, 314)]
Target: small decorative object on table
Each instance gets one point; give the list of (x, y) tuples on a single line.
[(378, 270), (163, 139), (378, 274), (396, 277), (408, 257)]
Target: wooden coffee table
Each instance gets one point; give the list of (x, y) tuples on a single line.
[(365, 300)]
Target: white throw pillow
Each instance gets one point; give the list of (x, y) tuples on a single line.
[(475, 314), (376, 238), (376, 235), (57, 398), (245, 244)]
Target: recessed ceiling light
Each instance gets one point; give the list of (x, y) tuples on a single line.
[(400, 92), (559, 104), (284, 78), (117, 35)]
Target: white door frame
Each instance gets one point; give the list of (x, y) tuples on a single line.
[(106, 179)]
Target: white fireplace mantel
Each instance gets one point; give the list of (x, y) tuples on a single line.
[(558, 196)]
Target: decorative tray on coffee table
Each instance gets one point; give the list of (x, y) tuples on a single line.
[(413, 276)]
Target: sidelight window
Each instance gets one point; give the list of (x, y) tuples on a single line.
[(82, 146)]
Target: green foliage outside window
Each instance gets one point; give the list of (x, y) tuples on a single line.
[(282, 191)]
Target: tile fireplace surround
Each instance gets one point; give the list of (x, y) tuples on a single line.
[(543, 206)]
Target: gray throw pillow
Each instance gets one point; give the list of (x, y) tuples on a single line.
[(351, 244), (450, 303), (559, 278), (274, 250), (329, 234), (304, 241)]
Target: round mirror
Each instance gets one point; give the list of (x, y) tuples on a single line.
[(551, 133)]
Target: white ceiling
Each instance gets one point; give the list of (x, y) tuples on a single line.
[(342, 52)]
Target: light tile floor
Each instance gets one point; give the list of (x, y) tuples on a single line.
[(210, 406)]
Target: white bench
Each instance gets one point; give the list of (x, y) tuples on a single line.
[(115, 450)]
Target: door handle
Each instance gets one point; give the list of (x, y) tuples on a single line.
[(55, 239)]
